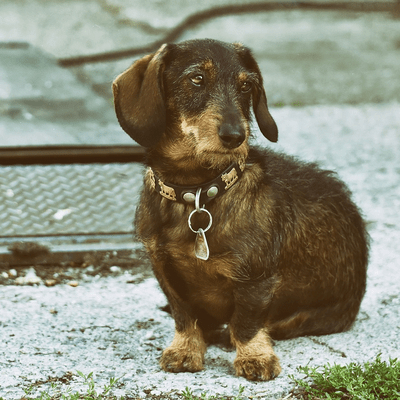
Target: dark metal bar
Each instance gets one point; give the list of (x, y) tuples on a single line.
[(46, 155)]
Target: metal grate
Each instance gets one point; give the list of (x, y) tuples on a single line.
[(68, 199)]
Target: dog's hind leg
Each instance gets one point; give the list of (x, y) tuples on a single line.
[(317, 321)]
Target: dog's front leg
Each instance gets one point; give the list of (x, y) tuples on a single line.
[(255, 357), (186, 352)]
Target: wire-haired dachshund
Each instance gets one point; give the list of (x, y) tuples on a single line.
[(237, 235)]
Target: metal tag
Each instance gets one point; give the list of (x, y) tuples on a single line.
[(201, 249)]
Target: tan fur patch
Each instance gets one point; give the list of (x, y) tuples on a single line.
[(186, 352), (188, 129), (243, 76), (256, 360), (210, 68), (208, 64), (150, 178)]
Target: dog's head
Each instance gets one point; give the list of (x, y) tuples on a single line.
[(194, 98)]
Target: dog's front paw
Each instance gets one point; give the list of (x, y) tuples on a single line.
[(186, 353), (255, 359), (175, 359), (258, 368)]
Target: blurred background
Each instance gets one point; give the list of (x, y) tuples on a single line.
[(70, 175)]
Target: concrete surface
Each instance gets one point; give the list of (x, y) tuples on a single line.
[(43, 104), (334, 80)]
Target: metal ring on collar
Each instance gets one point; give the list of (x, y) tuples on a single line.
[(197, 200), (200, 211)]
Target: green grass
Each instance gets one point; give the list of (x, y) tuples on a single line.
[(188, 395), (371, 381), (90, 394)]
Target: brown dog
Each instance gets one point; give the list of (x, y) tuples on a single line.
[(237, 235)]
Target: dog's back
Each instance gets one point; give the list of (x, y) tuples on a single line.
[(321, 247)]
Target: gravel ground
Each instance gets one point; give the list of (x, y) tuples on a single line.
[(115, 325)]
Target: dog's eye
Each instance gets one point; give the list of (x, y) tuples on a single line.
[(197, 80), (246, 87)]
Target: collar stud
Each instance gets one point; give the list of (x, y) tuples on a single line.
[(212, 192), (189, 197)]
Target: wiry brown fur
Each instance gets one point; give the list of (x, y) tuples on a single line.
[(288, 248)]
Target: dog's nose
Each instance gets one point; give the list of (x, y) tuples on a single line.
[(231, 137)]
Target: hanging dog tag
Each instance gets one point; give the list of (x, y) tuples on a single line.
[(201, 249)]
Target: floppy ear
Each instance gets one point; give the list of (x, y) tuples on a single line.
[(139, 100), (264, 119)]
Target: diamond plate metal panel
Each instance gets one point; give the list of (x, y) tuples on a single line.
[(68, 199)]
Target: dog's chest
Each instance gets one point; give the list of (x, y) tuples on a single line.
[(208, 284)]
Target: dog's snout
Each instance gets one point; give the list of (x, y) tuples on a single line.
[(231, 136)]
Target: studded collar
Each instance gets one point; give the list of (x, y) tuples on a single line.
[(209, 190)]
